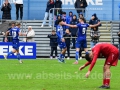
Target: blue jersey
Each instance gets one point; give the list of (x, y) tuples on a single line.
[(15, 33), (59, 32), (82, 28)]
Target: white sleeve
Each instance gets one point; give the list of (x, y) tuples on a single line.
[(31, 34)]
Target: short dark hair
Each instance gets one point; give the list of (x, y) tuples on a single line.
[(82, 18), (87, 57), (53, 30), (60, 21), (63, 12), (12, 23)]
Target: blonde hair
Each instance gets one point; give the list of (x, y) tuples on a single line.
[(17, 24)]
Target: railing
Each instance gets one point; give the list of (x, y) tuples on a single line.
[(64, 9)]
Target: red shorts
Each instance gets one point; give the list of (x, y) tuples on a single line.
[(112, 59)]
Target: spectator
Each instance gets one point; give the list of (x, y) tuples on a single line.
[(58, 6), (69, 18), (67, 41), (19, 6), (81, 16), (81, 4), (94, 20), (50, 4), (74, 30), (95, 37), (53, 43), (56, 22), (6, 8), (29, 35)]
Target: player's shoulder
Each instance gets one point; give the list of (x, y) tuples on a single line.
[(79, 24)]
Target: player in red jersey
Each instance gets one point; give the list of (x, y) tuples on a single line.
[(111, 54)]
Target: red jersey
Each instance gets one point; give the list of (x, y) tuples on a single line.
[(102, 48)]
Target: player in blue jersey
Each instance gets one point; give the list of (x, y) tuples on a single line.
[(61, 41), (81, 39), (15, 32)]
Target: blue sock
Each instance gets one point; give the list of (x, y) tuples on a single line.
[(9, 53), (77, 55), (18, 56), (61, 56)]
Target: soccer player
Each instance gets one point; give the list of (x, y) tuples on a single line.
[(111, 54), (61, 41), (81, 39), (15, 32)]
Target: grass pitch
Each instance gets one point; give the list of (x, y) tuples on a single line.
[(45, 74)]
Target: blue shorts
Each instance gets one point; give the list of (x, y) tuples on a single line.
[(81, 43), (62, 45), (15, 44)]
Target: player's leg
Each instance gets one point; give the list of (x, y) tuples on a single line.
[(13, 50), (77, 55), (64, 49), (104, 78), (18, 56), (9, 53), (107, 75), (111, 60), (78, 45)]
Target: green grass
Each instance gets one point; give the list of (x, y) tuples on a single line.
[(48, 74)]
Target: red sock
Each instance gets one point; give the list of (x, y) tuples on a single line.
[(107, 82), (104, 80)]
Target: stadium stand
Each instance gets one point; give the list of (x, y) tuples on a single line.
[(43, 48), (114, 30)]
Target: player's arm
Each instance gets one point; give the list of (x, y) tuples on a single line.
[(91, 65), (91, 26), (85, 65), (72, 26), (20, 33), (6, 34)]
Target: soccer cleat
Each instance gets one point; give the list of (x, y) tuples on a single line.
[(59, 59), (5, 57), (20, 61), (102, 86), (75, 62), (62, 60), (105, 87)]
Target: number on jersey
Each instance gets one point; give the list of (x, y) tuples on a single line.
[(83, 30), (14, 34)]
